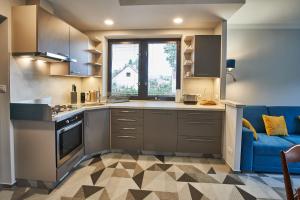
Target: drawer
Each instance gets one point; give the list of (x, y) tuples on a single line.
[(205, 145), (127, 113), (203, 127), (126, 142), (121, 130), (200, 115)]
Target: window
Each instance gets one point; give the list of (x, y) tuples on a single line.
[(144, 68)]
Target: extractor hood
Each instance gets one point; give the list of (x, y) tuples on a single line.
[(46, 56), (2, 19)]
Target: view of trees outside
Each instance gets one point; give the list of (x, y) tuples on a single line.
[(161, 69)]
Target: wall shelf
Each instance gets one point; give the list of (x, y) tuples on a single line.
[(94, 51), (95, 64)]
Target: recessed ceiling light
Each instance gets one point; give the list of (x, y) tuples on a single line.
[(177, 20), (109, 22)]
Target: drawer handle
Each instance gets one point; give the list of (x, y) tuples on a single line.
[(199, 140), (127, 111), (127, 136), (127, 120), (161, 113), (128, 128), (201, 123)]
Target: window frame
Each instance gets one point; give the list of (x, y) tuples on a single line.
[(143, 65)]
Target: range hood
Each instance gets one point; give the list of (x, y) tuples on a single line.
[(2, 19), (46, 56)]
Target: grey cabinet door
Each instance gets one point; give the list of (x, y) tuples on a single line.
[(160, 130), (207, 56), (53, 34), (96, 131), (79, 43)]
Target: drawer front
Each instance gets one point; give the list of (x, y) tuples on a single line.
[(127, 113), (193, 127), (206, 145), (126, 142), (126, 121), (123, 130), (199, 115)]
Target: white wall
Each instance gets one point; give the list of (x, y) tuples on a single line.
[(268, 66)]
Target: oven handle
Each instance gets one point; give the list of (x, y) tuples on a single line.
[(69, 127)]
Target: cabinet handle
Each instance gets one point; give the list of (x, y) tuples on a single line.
[(205, 123), (161, 113), (127, 120), (127, 136), (128, 128), (127, 111), (199, 140), (197, 113)]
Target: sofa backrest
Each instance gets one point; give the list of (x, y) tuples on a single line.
[(254, 115), (291, 114)]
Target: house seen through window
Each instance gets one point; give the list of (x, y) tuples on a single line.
[(144, 69)]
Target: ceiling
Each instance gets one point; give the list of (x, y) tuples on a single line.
[(268, 14), (138, 14)]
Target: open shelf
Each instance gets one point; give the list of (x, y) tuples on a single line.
[(188, 39), (188, 50), (95, 64), (95, 39), (94, 51)]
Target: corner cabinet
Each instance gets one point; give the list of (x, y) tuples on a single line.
[(160, 130), (79, 44), (207, 56), (96, 131)]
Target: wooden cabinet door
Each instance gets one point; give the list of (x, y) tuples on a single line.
[(78, 50), (96, 131), (207, 56), (53, 34), (160, 130)]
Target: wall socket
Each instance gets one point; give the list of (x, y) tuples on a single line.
[(3, 88)]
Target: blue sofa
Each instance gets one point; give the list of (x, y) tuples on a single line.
[(263, 155)]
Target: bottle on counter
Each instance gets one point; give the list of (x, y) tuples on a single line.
[(74, 95)]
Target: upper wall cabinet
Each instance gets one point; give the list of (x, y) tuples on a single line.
[(207, 56), (38, 33), (79, 44)]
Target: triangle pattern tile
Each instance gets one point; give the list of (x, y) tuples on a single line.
[(137, 194), (135, 156), (137, 170), (164, 167), (154, 167), (113, 165), (122, 173), (195, 194), (190, 169), (129, 165), (186, 178), (172, 174), (245, 194), (104, 195), (96, 175), (160, 158), (211, 171), (86, 191), (167, 195), (233, 180), (95, 160), (138, 179)]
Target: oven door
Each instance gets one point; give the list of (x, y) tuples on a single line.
[(69, 140)]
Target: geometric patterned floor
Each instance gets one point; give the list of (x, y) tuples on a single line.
[(118, 176)]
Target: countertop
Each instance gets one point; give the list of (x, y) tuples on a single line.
[(162, 105)]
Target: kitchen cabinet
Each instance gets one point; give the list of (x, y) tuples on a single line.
[(79, 44), (127, 129), (96, 131), (199, 132), (36, 31), (207, 56), (160, 130), (53, 34)]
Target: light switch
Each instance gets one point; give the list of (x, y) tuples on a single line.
[(3, 89)]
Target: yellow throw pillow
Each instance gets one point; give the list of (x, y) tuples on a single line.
[(275, 125), (248, 125)]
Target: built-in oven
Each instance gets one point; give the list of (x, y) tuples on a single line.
[(69, 138)]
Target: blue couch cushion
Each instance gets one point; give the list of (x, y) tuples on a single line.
[(295, 139), (254, 115), (270, 145), (291, 114)]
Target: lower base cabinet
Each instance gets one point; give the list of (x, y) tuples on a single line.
[(160, 130), (96, 131)]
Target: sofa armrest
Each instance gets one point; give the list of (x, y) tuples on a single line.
[(247, 149)]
